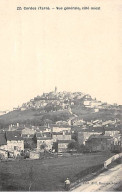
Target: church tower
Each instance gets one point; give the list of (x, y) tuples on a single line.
[(55, 89)]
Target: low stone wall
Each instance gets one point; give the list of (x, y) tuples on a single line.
[(112, 159), (34, 155), (99, 169)]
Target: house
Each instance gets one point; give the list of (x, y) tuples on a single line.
[(84, 135), (15, 142), (77, 121), (58, 128), (29, 136), (2, 113), (63, 145), (96, 104), (23, 108), (112, 133), (97, 143), (61, 136), (117, 139), (44, 134), (96, 109), (44, 140), (61, 123), (3, 147), (87, 103), (116, 143), (28, 133), (42, 129), (92, 103)]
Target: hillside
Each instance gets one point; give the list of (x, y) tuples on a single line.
[(60, 106)]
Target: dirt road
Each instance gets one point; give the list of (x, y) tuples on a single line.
[(109, 180)]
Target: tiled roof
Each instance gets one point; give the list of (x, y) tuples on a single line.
[(61, 133), (57, 133), (64, 141), (13, 135), (99, 137), (45, 134), (28, 131), (44, 138), (60, 126), (2, 139), (42, 128)]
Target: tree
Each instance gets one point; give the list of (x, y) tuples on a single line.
[(43, 147), (34, 139), (73, 145), (48, 121), (82, 148), (55, 146), (75, 136)]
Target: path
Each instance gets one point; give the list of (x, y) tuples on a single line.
[(109, 180)]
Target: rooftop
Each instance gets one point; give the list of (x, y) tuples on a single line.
[(64, 141), (13, 135), (44, 136), (61, 133), (60, 126), (98, 137)]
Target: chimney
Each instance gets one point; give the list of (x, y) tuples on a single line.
[(63, 132)]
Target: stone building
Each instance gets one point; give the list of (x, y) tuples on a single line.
[(15, 142)]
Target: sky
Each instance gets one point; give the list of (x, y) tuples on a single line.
[(73, 50)]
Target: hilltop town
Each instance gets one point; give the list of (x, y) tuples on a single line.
[(60, 122), (54, 101)]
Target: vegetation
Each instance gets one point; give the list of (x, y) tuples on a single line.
[(43, 146), (74, 145), (47, 174), (30, 143), (32, 117), (52, 112)]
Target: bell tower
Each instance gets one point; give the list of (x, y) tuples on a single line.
[(55, 89)]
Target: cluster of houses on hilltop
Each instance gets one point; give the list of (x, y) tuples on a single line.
[(63, 100), (58, 100), (94, 104)]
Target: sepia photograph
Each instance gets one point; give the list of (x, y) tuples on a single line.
[(60, 96)]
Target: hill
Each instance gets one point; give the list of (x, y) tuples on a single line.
[(60, 106)]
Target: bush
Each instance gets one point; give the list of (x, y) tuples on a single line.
[(73, 145)]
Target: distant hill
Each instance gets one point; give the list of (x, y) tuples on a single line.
[(60, 106)]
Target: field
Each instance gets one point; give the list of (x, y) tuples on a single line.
[(47, 174)]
